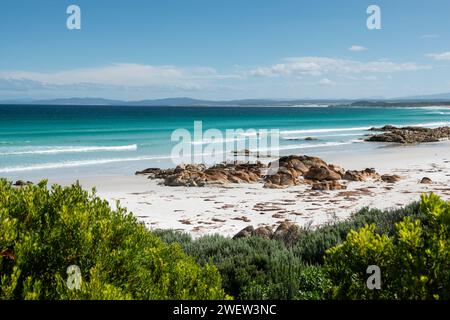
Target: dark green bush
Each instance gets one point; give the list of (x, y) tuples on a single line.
[(43, 231), (312, 244), (253, 268)]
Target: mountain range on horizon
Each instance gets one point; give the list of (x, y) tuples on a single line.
[(185, 101)]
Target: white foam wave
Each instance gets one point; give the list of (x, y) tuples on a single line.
[(324, 130), (71, 164), (294, 138), (328, 130), (310, 146), (431, 124), (439, 112), (57, 150), (217, 141)]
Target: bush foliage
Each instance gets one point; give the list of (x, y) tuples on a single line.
[(254, 268), (43, 231), (414, 261)]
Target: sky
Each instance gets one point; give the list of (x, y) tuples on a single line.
[(223, 49)]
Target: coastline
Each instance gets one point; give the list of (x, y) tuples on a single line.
[(228, 209)]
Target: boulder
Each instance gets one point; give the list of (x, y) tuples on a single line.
[(322, 173), (21, 183), (363, 175), (244, 233), (190, 168), (287, 232), (426, 180), (409, 135), (328, 185), (263, 232), (197, 175), (289, 169), (149, 171), (280, 180), (393, 178), (339, 170)]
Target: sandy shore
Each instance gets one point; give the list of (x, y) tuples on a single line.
[(226, 210)]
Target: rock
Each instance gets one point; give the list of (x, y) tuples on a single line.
[(289, 169), (149, 171), (244, 152), (337, 169), (385, 128), (311, 139), (363, 175), (287, 232), (21, 183), (280, 180), (249, 153), (391, 178), (244, 233), (197, 175), (322, 173), (409, 135), (8, 254), (426, 180), (328, 185), (263, 232), (190, 168)]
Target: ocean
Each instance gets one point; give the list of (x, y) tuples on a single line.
[(75, 141)]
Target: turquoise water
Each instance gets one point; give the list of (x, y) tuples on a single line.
[(46, 141)]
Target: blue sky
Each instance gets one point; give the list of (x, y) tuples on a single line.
[(223, 49)]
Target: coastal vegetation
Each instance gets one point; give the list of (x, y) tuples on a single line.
[(44, 230)]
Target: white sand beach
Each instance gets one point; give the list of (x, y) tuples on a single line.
[(227, 210)]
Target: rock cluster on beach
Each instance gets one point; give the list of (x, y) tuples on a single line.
[(287, 171), (294, 170), (286, 232), (409, 134), (197, 175)]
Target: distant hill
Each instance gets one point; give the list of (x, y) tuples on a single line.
[(176, 102), (75, 101), (399, 103), (430, 97), (437, 99)]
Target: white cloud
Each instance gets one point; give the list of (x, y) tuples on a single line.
[(357, 48), (121, 74), (440, 56), (429, 36), (317, 66), (326, 82)]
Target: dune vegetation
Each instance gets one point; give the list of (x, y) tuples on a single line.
[(45, 230)]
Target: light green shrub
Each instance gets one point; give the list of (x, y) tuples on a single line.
[(43, 231), (414, 261)]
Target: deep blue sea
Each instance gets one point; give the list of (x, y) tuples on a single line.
[(43, 141)]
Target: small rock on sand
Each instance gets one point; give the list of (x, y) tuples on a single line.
[(426, 180)]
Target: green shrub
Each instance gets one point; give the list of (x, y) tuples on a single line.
[(314, 284), (312, 244), (43, 231), (414, 260), (253, 268)]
